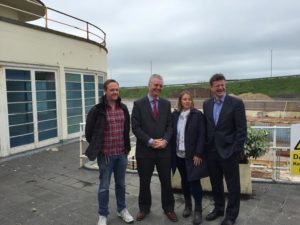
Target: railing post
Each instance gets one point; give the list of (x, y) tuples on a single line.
[(274, 136), (46, 18), (274, 164), (275, 154), (80, 146), (87, 30)]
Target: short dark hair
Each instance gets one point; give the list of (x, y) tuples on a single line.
[(216, 77), (107, 82)]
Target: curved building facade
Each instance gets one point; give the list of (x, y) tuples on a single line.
[(49, 79)]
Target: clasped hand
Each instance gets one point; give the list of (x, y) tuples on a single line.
[(197, 161), (159, 143)]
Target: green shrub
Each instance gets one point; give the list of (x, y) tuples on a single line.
[(256, 144)]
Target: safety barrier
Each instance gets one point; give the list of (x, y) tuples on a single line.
[(275, 165), (65, 23)]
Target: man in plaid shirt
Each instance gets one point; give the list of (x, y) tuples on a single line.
[(107, 131)]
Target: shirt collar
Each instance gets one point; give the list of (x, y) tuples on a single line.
[(150, 98), (185, 113), (222, 98)]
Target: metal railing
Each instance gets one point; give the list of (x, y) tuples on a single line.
[(262, 106), (276, 165), (81, 142), (279, 136), (89, 30)]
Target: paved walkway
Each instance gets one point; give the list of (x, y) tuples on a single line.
[(49, 188)]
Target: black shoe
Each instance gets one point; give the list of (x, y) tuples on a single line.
[(197, 217), (214, 215), (187, 211), (227, 222)]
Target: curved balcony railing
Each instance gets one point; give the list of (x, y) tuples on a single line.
[(63, 22)]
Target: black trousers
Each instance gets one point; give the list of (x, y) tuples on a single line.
[(229, 168), (145, 168), (189, 187)]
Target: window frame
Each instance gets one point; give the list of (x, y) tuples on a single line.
[(36, 143), (97, 76)]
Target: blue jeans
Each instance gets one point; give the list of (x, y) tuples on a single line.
[(108, 165)]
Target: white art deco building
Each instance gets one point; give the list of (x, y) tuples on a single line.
[(51, 74)]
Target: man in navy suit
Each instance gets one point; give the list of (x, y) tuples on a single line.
[(152, 126), (226, 131)]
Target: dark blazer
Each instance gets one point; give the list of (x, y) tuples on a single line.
[(194, 139), (144, 127), (229, 135), (95, 125)]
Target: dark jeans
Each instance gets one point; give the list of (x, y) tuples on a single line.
[(229, 168), (189, 187), (145, 168)]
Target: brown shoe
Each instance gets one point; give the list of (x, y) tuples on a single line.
[(172, 216), (140, 216)]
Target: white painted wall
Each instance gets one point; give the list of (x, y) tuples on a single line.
[(25, 45), (4, 136)]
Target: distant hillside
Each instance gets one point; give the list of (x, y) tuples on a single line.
[(275, 87)]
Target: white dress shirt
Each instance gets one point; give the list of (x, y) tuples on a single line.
[(180, 151)]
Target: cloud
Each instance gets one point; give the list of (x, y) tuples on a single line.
[(188, 41)]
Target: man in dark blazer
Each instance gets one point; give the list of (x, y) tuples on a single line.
[(226, 131), (152, 126)]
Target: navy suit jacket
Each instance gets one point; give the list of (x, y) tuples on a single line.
[(144, 127), (229, 135), (194, 138)]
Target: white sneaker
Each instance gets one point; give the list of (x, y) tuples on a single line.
[(125, 216), (102, 220)]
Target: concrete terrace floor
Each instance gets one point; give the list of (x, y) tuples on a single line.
[(49, 188)]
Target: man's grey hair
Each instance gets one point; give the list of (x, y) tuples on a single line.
[(153, 76)]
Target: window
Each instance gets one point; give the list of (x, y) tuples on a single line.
[(100, 87), (89, 92), (46, 105), (74, 102), (20, 112), (81, 97)]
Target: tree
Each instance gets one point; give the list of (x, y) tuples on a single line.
[(256, 144)]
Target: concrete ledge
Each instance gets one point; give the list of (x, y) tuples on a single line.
[(245, 177)]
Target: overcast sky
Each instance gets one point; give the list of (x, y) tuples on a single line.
[(189, 40)]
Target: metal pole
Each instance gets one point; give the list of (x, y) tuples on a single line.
[(275, 136), (46, 18), (151, 67), (87, 30), (81, 147), (271, 61)]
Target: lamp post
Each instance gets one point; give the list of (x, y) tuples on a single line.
[(271, 61)]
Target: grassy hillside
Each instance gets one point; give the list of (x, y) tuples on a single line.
[(275, 87)]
